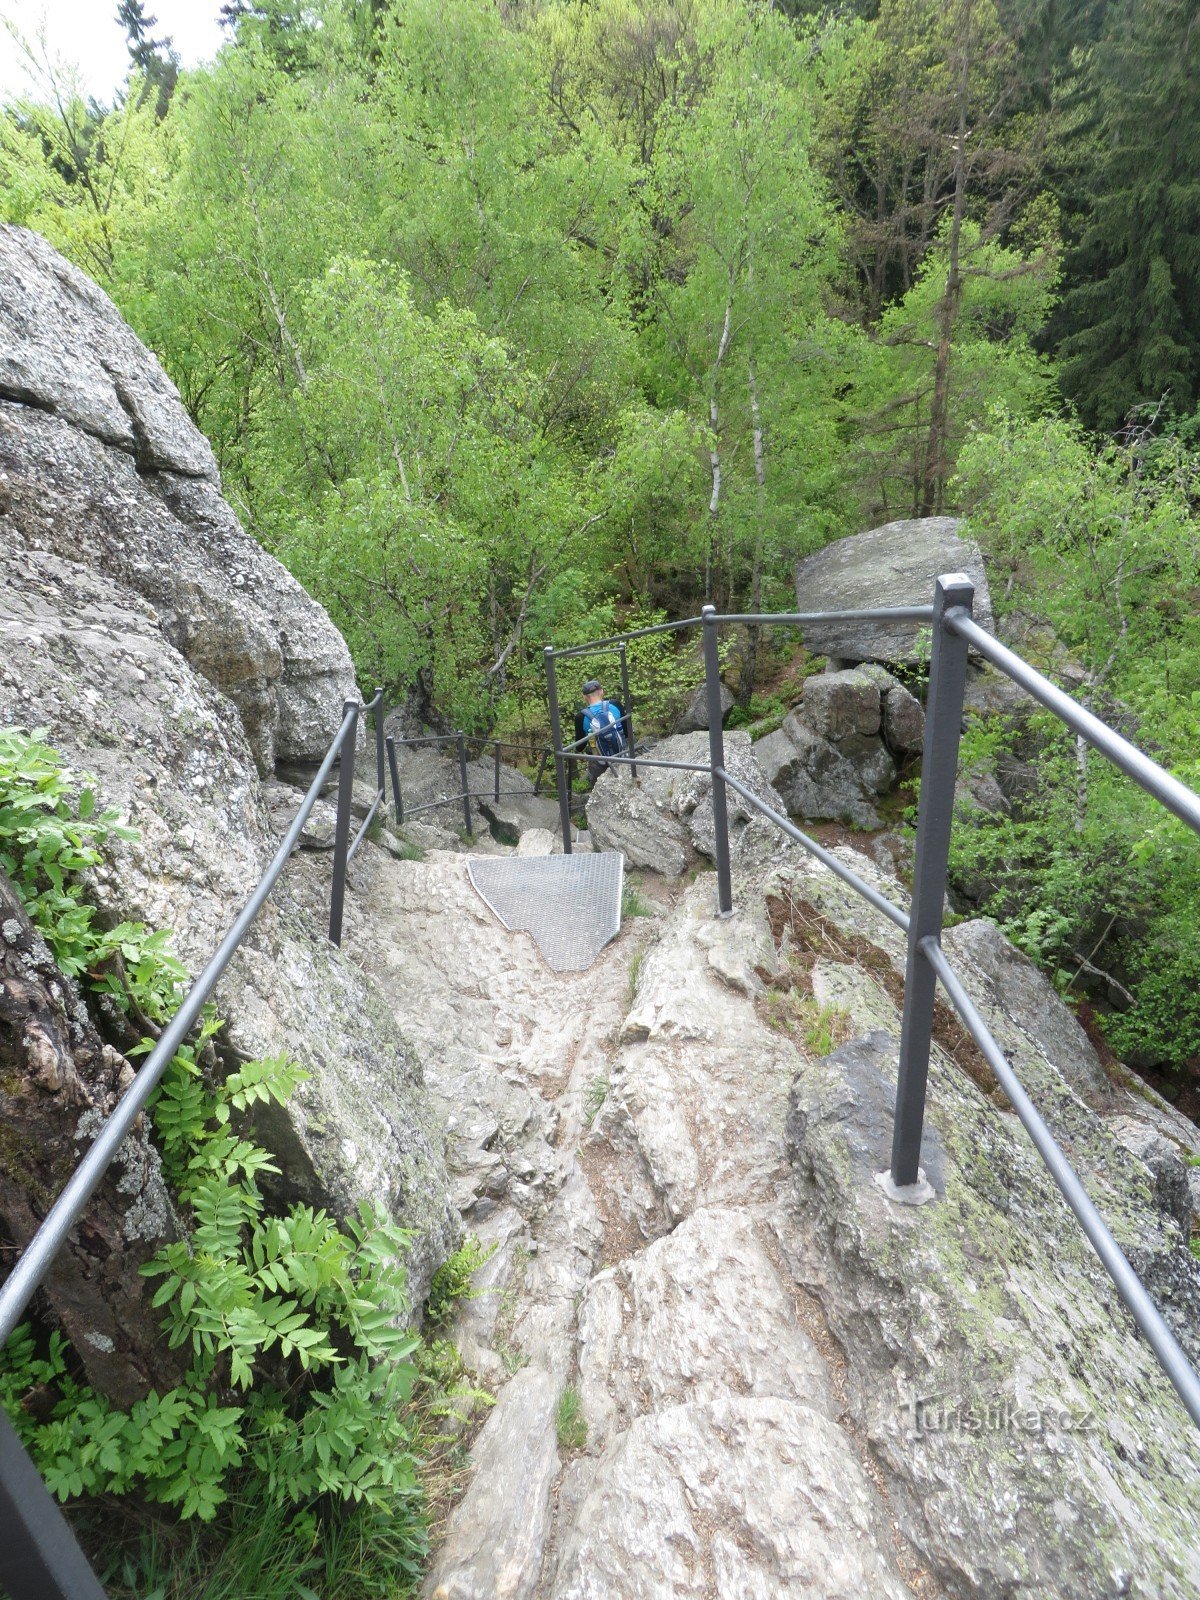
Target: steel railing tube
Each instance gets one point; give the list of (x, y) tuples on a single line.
[(40, 1558), (341, 831), (560, 765), (939, 770), (461, 746), (395, 772), (716, 758), (627, 702), (496, 775), (569, 652), (838, 868)]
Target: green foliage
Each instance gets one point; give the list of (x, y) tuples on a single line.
[(1088, 871), (570, 1424), (297, 1372), (452, 1280), (1129, 326), (299, 1368), (50, 832), (594, 1097), (634, 903)]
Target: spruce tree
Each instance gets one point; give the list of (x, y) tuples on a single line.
[(1129, 324), (153, 58)]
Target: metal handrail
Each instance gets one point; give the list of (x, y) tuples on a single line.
[(39, 1556), (954, 630)]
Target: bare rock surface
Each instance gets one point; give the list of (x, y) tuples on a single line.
[(662, 818), (695, 713), (101, 465), (162, 650), (837, 751), (785, 1379), (894, 565)]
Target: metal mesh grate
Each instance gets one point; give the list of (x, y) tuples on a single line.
[(570, 904)]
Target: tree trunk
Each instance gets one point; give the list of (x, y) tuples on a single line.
[(58, 1081), (750, 667), (936, 469)]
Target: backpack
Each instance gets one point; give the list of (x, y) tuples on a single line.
[(609, 733)]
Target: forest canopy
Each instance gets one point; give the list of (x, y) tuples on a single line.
[(512, 322)]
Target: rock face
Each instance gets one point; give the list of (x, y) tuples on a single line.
[(58, 1078), (101, 465), (894, 565), (836, 753), (695, 715), (663, 819), (163, 651), (990, 1360)]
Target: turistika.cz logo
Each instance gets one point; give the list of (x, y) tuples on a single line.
[(935, 1413)]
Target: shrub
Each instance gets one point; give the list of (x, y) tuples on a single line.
[(299, 1374)]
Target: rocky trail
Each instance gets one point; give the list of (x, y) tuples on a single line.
[(617, 1136), (671, 1157)]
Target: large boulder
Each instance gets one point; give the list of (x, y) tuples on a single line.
[(663, 819), (894, 565), (837, 751), (101, 464), (163, 651), (695, 714)]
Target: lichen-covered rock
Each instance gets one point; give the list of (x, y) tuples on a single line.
[(101, 465), (998, 1376), (1030, 1439), (58, 1081), (837, 704), (815, 780), (663, 818), (895, 565), (65, 349), (362, 1126)]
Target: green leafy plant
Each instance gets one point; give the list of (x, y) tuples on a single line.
[(634, 903), (299, 1373), (570, 1424), (452, 1280), (594, 1097)]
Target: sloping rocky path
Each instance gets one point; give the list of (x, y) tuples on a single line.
[(618, 1137)]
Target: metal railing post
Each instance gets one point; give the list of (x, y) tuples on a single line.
[(560, 766), (716, 759), (380, 769), (395, 771), (460, 744), (939, 769), (496, 776), (341, 832), (628, 704), (39, 1556)]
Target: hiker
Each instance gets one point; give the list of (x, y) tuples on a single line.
[(602, 721)]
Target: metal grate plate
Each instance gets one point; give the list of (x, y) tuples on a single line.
[(570, 904)]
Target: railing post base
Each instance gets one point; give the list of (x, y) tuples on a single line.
[(907, 1194)]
